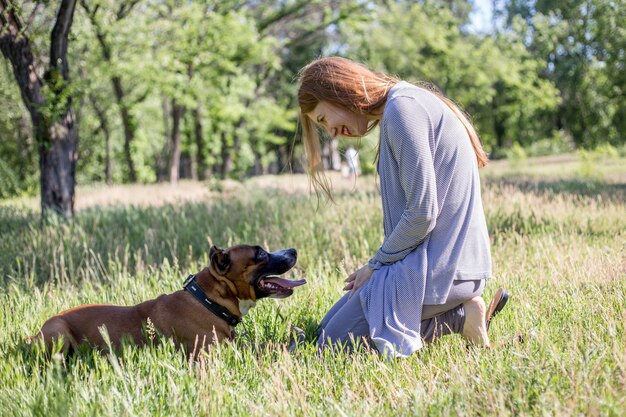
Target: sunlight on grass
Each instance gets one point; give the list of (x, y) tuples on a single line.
[(559, 243)]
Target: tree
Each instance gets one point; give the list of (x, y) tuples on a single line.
[(18, 156), (494, 78), (48, 100), (124, 103), (304, 30), (581, 43)]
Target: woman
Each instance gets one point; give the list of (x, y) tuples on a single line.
[(427, 277)]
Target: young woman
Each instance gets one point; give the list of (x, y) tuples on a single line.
[(427, 277)]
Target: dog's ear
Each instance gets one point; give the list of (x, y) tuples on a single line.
[(219, 260)]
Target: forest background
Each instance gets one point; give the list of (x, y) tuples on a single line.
[(125, 91)]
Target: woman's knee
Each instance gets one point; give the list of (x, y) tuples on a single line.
[(345, 322), (344, 341), (328, 337), (333, 310), (343, 330)]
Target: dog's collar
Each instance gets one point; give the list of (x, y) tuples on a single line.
[(220, 311)]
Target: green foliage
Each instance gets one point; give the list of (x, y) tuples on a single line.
[(367, 148), (57, 93), (556, 144), (580, 46), (590, 160), (549, 77), (589, 164), (606, 150), (495, 78), (8, 178), (18, 153), (516, 155)]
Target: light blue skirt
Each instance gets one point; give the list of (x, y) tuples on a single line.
[(392, 301)]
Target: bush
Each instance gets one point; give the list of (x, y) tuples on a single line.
[(516, 155), (589, 164), (10, 184), (606, 151), (558, 143)]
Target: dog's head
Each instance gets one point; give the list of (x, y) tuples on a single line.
[(253, 272)]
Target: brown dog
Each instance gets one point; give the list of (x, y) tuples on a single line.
[(204, 312)]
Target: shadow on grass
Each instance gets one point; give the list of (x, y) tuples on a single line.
[(34, 358), (125, 237), (311, 328), (15, 221), (578, 187)]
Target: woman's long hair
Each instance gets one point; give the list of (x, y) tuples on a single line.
[(356, 88)]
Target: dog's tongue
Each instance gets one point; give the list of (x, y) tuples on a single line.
[(285, 283)]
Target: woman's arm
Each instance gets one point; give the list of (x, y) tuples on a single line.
[(409, 129)]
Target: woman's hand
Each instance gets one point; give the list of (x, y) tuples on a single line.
[(357, 279)]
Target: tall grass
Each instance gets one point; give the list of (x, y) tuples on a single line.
[(558, 246)]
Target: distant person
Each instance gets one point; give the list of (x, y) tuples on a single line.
[(354, 165), (345, 170), (428, 276)]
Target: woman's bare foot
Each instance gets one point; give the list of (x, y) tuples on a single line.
[(475, 328)]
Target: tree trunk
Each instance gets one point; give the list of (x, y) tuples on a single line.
[(282, 159), (163, 158), (326, 155), (228, 154), (57, 162), (130, 127), (104, 126), (499, 128), (201, 165), (56, 135), (498, 125), (25, 145), (129, 123), (193, 168), (258, 168), (174, 165), (227, 160)]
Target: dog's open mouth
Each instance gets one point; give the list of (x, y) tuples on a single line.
[(278, 287)]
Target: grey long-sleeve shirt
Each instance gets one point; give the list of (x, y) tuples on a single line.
[(435, 229), (430, 191)]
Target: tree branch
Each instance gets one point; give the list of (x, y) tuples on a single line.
[(32, 15), (60, 32), (9, 19), (283, 13), (125, 9)]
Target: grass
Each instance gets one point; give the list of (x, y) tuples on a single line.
[(558, 244)]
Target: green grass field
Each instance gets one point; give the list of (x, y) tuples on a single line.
[(558, 230)]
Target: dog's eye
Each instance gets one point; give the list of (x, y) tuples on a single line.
[(261, 255)]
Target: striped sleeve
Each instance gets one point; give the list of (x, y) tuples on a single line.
[(409, 129)]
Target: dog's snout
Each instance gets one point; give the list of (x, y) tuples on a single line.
[(293, 252)]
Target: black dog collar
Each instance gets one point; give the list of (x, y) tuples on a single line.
[(220, 311)]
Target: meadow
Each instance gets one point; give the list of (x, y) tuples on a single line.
[(558, 231)]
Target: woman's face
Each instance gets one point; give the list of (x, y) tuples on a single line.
[(338, 121)]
